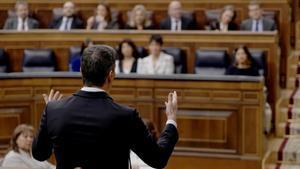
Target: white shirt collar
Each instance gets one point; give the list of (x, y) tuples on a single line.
[(92, 89), (20, 22)]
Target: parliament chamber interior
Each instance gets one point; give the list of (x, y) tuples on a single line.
[(235, 111)]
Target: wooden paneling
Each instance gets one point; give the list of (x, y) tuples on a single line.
[(12, 115), (61, 42), (43, 12), (223, 124)]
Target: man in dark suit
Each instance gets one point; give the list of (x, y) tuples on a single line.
[(22, 21), (176, 21), (90, 130), (68, 20), (257, 23)]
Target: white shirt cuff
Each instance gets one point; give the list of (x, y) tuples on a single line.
[(172, 122)]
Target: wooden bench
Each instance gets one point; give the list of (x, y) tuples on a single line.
[(43, 12), (219, 118), (15, 42)]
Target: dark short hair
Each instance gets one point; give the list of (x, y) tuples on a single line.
[(156, 38), (135, 52), (96, 63), (21, 3), (254, 3), (20, 129)]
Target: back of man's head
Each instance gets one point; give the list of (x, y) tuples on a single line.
[(97, 62)]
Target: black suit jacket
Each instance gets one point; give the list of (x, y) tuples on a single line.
[(186, 23), (76, 24), (216, 26), (133, 67), (91, 131)]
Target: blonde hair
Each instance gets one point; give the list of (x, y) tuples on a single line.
[(228, 8), (147, 21)]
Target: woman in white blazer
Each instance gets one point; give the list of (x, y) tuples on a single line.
[(157, 62), (20, 155)]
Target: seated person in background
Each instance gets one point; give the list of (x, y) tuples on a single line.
[(68, 20), (243, 63), (257, 23), (157, 62), (226, 20), (128, 56), (22, 21), (74, 62), (139, 19), (175, 21), (136, 162), (102, 19), (20, 155)]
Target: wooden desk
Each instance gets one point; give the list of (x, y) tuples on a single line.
[(219, 118), (16, 42), (43, 12)]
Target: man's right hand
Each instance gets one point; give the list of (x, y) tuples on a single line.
[(53, 96), (171, 106)]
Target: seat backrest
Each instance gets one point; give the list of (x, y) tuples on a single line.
[(38, 60), (179, 58), (74, 58), (12, 13), (211, 61), (270, 15), (142, 51), (212, 16), (259, 57), (3, 61)]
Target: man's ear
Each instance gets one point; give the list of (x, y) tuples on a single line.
[(111, 76)]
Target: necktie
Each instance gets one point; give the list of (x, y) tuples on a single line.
[(23, 24), (176, 25), (257, 26), (66, 24)]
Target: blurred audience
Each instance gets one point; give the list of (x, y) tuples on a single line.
[(102, 19), (74, 61), (176, 21), (139, 19), (243, 63), (136, 162), (20, 155), (22, 21), (256, 22), (69, 20), (226, 19), (128, 56), (157, 62)]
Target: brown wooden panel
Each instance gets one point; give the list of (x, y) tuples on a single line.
[(125, 93), (144, 93), (210, 128), (193, 162), (10, 117), (213, 131), (17, 92), (191, 94), (251, 96), (251, 134), (228, 95), (146, 110)]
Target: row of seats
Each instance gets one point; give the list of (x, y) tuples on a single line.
[(208, 61), (209, 15)]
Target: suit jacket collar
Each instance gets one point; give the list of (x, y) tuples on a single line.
[(86, 94)]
